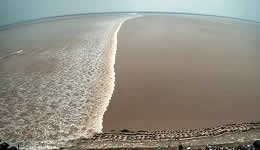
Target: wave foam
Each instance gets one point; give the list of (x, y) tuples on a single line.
[(42, 108)]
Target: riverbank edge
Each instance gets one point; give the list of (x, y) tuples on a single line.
[(230, 134)]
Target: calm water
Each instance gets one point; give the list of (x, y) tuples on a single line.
[(185, 72)]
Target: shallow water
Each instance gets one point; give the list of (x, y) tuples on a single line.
[(180, 71)]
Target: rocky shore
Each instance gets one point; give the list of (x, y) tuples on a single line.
[(230, 133)]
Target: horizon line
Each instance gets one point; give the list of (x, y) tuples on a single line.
[(6, 26)]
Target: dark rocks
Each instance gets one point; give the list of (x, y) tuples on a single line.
[(256, 144), (180, 147), (5, 146), (124, 130)]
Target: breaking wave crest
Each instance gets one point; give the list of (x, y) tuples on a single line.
[(55, 95)]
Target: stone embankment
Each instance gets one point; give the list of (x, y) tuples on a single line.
[(127, 138)]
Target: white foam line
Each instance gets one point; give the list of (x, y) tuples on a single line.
[(111, 56), (18, 52), (11, 54)]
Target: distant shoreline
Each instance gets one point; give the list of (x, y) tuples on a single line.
[(38, 20)]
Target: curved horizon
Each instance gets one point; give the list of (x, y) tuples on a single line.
[(15, 11), (145, 12)]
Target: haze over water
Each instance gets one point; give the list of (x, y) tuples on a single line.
[(185, 72)]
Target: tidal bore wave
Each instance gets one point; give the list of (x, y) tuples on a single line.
[(50, 95)]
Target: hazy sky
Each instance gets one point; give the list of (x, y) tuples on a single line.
[(18, 10)]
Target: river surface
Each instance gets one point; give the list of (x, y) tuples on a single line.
[(56, 78), (181, 71)]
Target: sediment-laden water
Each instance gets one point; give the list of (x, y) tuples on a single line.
[(185, 71), (56, 78), (57, 75)]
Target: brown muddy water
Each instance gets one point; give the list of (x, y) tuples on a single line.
[(185, 72)]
